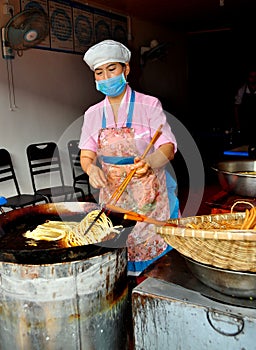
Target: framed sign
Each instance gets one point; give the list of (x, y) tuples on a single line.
[(119, 28), (102, 25), (83, 29), (75, 26), (61, 25)]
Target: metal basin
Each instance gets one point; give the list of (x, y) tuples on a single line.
[(232, 178), (234, 283)]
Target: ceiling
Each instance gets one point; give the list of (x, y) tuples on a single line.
[(186, 14)]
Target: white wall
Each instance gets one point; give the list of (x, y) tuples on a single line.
[(52, 90)]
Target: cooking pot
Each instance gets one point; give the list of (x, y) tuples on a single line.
[(73, 298), (233, 178), (233, 283), (14, 223)]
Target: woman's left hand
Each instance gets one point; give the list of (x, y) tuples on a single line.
[(141, 166)]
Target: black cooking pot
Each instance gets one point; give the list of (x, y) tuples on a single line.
[(16, 222)]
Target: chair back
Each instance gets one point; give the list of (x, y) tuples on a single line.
[(7, 172), (79, 176), (44, 158), (74, 156)]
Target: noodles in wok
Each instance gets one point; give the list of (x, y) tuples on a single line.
[(72, 233)]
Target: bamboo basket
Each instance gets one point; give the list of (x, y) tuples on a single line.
[(231, 249)]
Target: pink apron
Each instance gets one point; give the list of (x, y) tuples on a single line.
[(147, 195)]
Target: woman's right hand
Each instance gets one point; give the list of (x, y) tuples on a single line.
[(96, 176)]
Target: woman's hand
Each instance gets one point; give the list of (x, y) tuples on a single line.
[(157, 159), (96, 176), (141, 166)]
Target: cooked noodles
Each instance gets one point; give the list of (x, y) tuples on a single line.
[(72, 233), (246, 223)]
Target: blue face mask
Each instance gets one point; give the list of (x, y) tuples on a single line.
[(113, 86)]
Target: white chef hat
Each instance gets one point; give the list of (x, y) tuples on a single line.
[(106, 51)]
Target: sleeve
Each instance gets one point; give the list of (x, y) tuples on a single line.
[(90, 129)]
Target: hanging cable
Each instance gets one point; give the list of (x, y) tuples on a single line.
[(11, 91), (8, 55)]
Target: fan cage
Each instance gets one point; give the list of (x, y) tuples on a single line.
[(27, 29)]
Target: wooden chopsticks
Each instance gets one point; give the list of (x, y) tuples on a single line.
[(119, 191), (131, 215)]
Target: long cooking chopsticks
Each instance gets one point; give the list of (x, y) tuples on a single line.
[(131, 215), (119, 191)]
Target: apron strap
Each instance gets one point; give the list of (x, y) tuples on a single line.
[(131, 108), (130, 113)]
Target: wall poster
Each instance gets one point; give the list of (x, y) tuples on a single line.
[(119, 28), (83, 29), (102, 25), (61, 25), (74, 26)]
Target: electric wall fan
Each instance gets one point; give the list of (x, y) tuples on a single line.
[(26, 29)]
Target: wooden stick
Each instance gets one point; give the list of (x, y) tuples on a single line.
[(130, 215), (117, 194), (119, 191)]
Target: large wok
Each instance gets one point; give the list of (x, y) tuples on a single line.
[(232, 177), (14, 223)]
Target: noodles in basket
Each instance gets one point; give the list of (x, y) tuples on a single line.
[(72, 233), (247, 223)]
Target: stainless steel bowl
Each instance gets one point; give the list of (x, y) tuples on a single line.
[(233, 178), (234, 283)]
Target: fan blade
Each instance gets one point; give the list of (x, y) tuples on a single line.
[(27, 29), (14, 36)]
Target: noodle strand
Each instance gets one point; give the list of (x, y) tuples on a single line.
[(72, 233)]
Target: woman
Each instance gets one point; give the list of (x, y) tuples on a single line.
[(116, 132)]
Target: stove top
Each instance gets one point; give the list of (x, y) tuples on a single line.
[(172, 268)]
